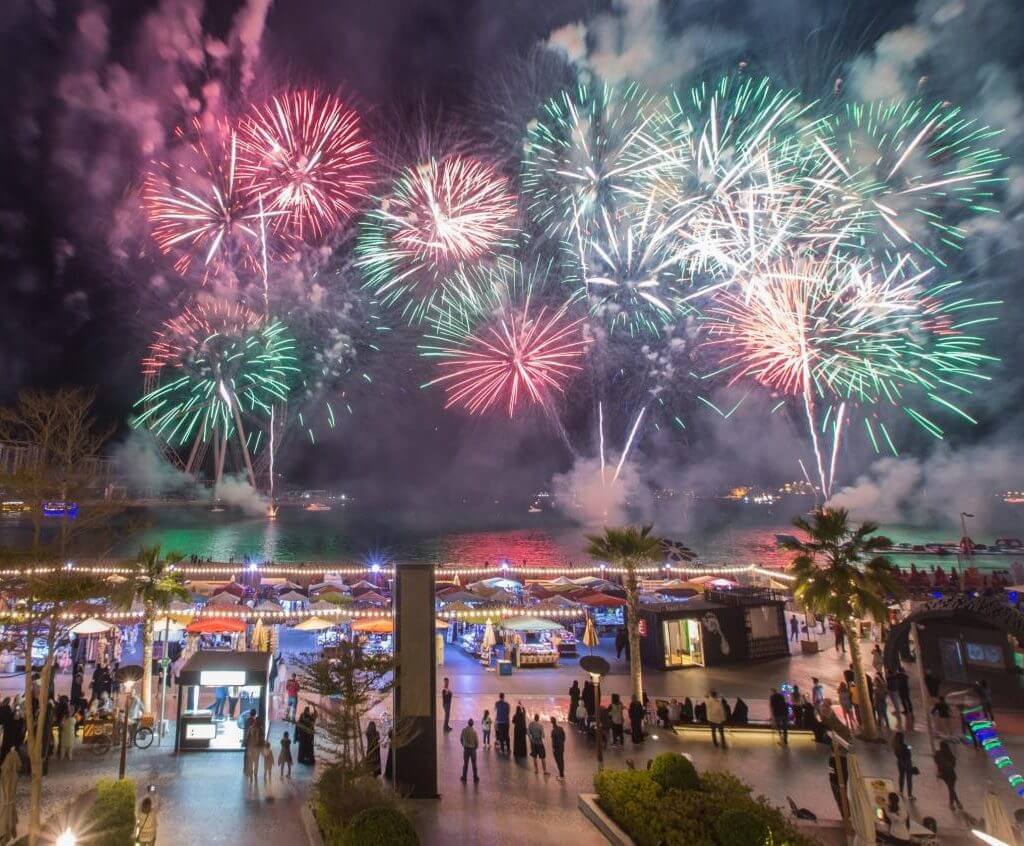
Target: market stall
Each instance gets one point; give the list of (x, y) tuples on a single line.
[(530, 640)]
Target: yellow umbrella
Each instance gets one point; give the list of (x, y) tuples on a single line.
[(260, 639), (590, 634), (90, 626), (489, 639), (313, 624)]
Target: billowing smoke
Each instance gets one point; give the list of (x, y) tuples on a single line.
[(236, 491), (594, 497), (936, 489), (140, 464)]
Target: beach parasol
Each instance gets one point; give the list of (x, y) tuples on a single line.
[(997, 822), (90, 626), (260, 637), (213, 625), (590, 634), (313, 624), (530, 624), (489, 639), (862, 806), (375, 625)]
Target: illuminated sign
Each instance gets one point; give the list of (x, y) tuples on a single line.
[(222, 678), (200, 731)]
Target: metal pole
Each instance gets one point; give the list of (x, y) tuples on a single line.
[(915, 642), (600, 726), (124, 734), (165, 663)]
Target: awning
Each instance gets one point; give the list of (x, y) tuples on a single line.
[(213, 625), (530, 624)]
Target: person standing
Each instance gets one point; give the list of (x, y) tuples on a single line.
[(636, 720), (780, 715), (817, 693), (985, 695), (621, 642), (233, 693), (304, 736), (574, 699), (904, 763), (519, 732), (486, 724), (877, 660), (716, 717), (372, 749), (794, 628), (943, 715), (268, 763), (468, 740), (558, 747), (846, 705), (284, 757), (881, 702), (903, 689), (589, 697), (78, 702), (945, 762), (840, 636), (291, 689), (446, 704), (536, 733), (893, 692), (616, 716), (501, 724)]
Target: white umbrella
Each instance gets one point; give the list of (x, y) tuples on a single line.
[(313, 624), (90, 626), (997, 822), (862, 807), (489, 639)]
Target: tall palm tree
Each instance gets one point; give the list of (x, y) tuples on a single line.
[(833, 579), (153, 583), (631, 547)]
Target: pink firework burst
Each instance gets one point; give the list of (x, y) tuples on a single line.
[(518, 357), (187, 332), (195, 203), (304, 155)]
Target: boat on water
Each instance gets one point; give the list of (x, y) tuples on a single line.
[(59, 508), (317, 506), (14, 508)]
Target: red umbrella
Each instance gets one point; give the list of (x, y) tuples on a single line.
[(602, 600), (215, 626)]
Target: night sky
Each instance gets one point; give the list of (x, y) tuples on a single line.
[(93, 90)]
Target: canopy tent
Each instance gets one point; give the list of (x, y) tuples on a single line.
[(268, 605), (314, 624), (292, 596), (213, 625), (224, 599), (281, 584), (530, 624), (363, 584), (560, 601), (602, 600), (373, 598), (90, 626), (179, 605), (595, 583), (495, 583), (384, 625), (330, 583), (230, 587), (325, 605), (203, 587), (168, 624), (459, 596)]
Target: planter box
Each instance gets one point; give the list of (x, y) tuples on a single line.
[(587, 803), (809, 647)]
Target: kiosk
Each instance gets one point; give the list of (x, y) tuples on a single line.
[(216, 690)]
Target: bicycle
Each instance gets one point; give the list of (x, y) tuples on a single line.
[(104, 735)]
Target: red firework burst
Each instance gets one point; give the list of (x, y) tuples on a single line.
[(187, 332), (517, 357), (305, 156), (195, 203)]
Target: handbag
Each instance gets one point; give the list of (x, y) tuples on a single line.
[(915, 771)]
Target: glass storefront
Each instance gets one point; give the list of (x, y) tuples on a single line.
[(682, 643)]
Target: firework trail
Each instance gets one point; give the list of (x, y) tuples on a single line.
[(196, 205), (496, 343), (305, 156), (441, 216), (213, 368)]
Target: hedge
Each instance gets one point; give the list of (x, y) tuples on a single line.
[(674, 772), (111, 819), (716, 810), (379, 826)]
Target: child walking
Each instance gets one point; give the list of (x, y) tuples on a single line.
[(285, 757), (268, 763), (486, 724)]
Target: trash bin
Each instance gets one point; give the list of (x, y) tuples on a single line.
[(504, 668)]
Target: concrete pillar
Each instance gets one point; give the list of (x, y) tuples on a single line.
[(415, 757)]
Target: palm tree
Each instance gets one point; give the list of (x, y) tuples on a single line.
[(630, 548), (831, 580), (153, 583)]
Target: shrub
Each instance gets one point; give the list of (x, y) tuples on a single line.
[(380, 825), (717, 781), (632, 799), (111, 819), (674, 772), (339, 795), (738, 827)]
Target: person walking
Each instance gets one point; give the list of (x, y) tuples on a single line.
[(621, 642), (616, 716), (985, 696), (945, 763), (469, 742), (536, 733), (817, 693), (291, 689), (519, 732), (903, 689), (840, 636), (558, 747), (501, 724), (574, 699), (284, 757), (880, 705), (877, 660), (943, 715), (716, 717), (268, 763), (372, 749), (636, 720), (779, 709), (904, 763), (486, 724), (846, 705), (446, 704), (794, 628)]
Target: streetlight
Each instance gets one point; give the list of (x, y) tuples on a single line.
[(126, 676), (66, 838), (597, 667)]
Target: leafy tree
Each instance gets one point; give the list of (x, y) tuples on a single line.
[(154, 583), (832, 578), (630, 548)]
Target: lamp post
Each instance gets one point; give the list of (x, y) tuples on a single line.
[(596, 666), (126, 676)]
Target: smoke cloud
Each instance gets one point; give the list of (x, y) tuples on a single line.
[(594, 498)]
